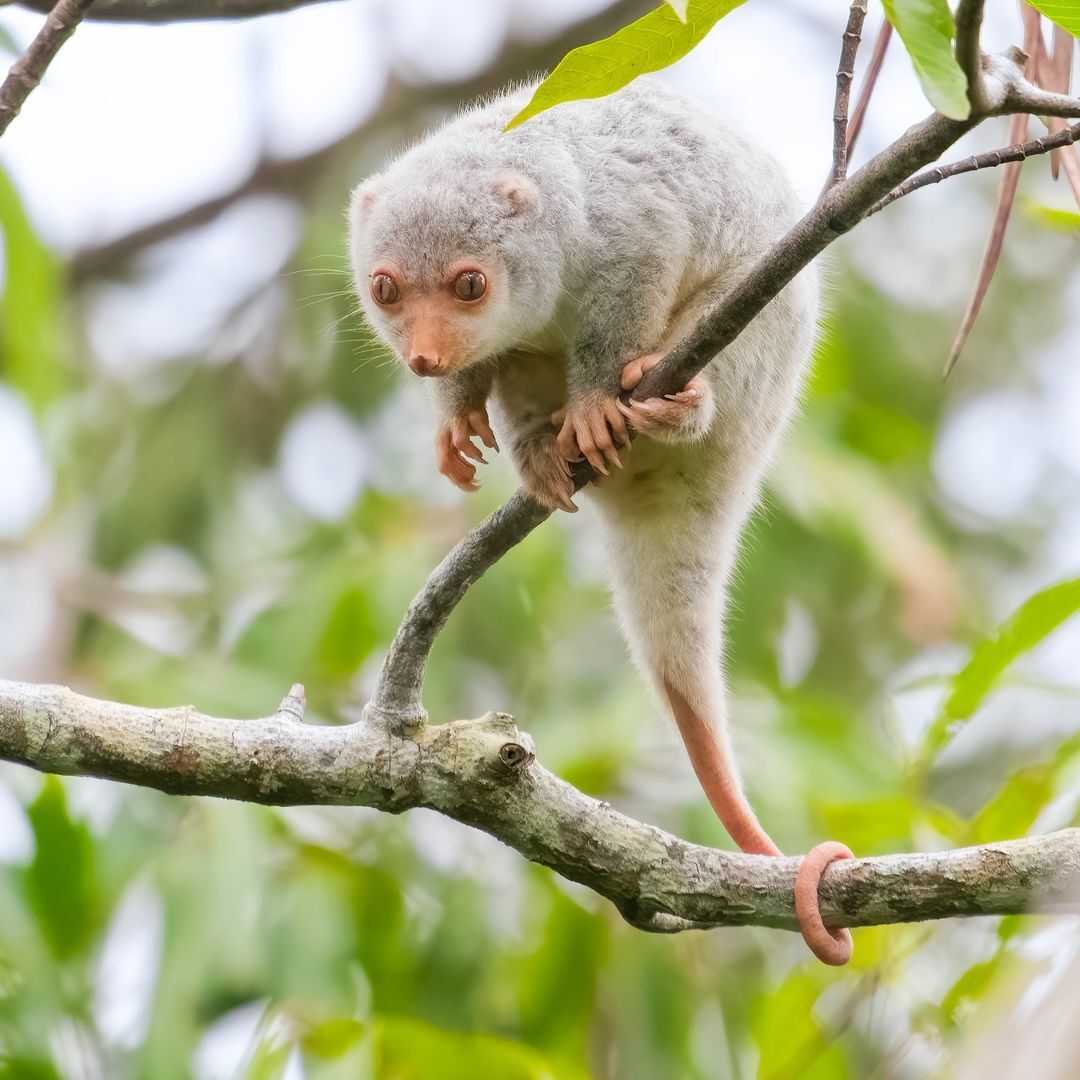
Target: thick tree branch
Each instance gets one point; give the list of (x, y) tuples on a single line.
[(845, 73), (27, 71), (484, 773)]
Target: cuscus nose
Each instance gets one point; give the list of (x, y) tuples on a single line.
[(423, 364)]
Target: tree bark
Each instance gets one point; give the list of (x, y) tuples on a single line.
[(484, 773)]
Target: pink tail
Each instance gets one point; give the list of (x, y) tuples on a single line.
[(721, 785)]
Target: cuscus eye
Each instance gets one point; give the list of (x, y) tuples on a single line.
[(470, 285), (384, 289)]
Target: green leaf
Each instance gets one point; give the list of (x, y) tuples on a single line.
[(1033, 621), (1023, 796), (653, 42), (409, 1049), (269, 1060), (1066, 221), (790, 1040), (31, 335), (350, 634), (926, 28), (61, 881), (333, 1038), (1066, 13), (679, 7)]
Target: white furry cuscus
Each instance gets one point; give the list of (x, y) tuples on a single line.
[(543, 270)]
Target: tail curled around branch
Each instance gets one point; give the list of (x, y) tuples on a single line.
[(714, 767), (675, 634)]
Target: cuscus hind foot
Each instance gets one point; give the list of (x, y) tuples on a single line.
[(546, 473)]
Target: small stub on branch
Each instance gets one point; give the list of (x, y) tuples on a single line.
[(294, 703)]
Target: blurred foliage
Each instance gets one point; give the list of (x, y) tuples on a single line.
[(147, 936)]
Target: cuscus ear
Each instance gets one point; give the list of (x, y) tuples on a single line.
[(364, 197), (516, 193)]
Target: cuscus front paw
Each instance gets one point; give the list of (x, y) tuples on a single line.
[(592, 427), (673, 418), (454, 447), (546, 473)]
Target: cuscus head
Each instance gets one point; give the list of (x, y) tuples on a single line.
[(438, 263)]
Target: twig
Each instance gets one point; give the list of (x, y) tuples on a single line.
[(845, 73), (164, 11), (1002, 210), (969, 14), (1006, 196), (1055, 73), (27, 71), (988, 160), (877, 59), (484, 773)]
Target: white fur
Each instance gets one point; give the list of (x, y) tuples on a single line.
[(635, 213)]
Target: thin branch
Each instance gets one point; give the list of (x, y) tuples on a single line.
[(877, 59), (845, 73), (969, 14), (484, 773), (1006, 197), (1026, 98), (396, 700), (27, 71), (988, 160), (840, 210), (1067, 157), (1002, 210), (164, 11)]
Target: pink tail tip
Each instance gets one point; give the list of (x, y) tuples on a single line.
[(829, 946)]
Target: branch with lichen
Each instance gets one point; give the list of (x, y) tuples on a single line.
[(484, 773)]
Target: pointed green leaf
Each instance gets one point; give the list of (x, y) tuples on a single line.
[(1066, 221), (1066, 13), (926, 28), (334, 1038), (61, 881), (31, 323), (1033, 621), (653, 42)]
